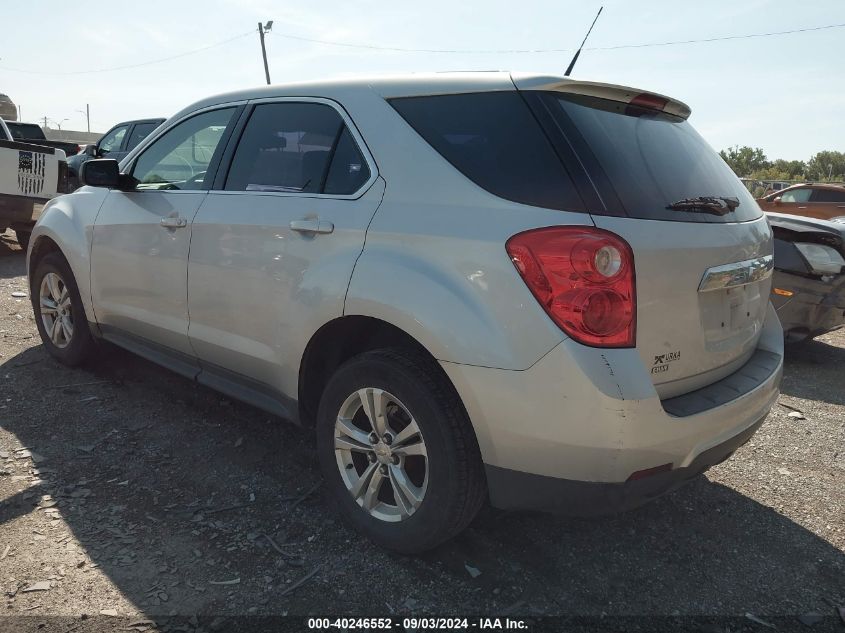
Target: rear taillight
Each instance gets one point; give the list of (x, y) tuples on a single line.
[(584, 279)]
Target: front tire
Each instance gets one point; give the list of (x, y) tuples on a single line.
[(398, 452), (59, 313)]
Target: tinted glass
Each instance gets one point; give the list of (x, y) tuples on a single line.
[(180, 157), (828, 195), (139, 133), (348, 171), (796, 195), (25, 131), (651, 159), (285, 147), (112, 140), (494, 140)]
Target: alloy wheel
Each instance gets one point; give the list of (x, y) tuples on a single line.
[(56, 310), (381, 454)]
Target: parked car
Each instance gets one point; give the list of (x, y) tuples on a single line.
[(825, 201), (8, 109), (30, 175), (116, 143), (546, 292), (808, 289), (32, 133)]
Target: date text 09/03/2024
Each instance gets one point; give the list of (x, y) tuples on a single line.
[(416, 624)]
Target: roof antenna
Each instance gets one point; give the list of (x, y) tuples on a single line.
[(578, 52)]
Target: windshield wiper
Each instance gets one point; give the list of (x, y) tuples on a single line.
[(717, 205)]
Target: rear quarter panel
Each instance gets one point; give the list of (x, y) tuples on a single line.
[(435, 263)]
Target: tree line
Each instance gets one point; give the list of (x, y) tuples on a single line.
[(751, 162)]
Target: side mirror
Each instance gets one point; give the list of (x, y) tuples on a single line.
[(101, 172), (91, 150), (777, 200)]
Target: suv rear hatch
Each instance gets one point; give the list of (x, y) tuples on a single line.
[(702, 248)]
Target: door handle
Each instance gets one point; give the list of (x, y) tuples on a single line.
[(311, 226), (174, 223)]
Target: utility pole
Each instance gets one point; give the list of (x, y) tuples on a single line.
[(262, 29), (87, 114)]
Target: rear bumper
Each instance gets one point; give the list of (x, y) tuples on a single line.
[(512, 490), (581, 421), (815, 307)]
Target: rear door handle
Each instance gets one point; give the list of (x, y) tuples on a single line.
[(174, 223), (311, 226)]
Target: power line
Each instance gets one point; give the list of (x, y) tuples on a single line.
[(128, 66), (495, 51), (399, 49)]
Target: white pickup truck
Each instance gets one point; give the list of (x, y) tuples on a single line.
[(30, 175)]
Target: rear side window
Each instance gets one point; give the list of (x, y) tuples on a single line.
[(493, 139), (646, 160), (828, 195), (297, 148), (139, 133), (348, 170)]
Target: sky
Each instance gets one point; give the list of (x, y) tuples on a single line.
[(784, 93)]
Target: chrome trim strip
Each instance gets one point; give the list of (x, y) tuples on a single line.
[(737, 274)]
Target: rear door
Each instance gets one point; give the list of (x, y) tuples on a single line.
[(827, 203), (702, 274), (275, 243)]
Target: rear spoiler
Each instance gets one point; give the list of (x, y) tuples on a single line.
[(612, 92)]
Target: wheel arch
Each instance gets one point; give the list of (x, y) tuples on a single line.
[(339, 340)]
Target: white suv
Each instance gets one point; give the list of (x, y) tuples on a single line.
[(547, 293)]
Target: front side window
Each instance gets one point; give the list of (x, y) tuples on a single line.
[(111, 141), (290, 147), (179, 159), (828, 195), (796, 195), (139, 133)]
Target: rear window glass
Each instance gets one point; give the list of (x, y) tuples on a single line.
[(651, 159), (828, 195), (139, 133), (25, 131), (493, 139)]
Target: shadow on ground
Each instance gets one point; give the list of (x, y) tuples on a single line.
[(806, 363), (12, 257), (170, 488)]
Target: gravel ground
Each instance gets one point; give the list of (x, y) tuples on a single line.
[(127, 490)]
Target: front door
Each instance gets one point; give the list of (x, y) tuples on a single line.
[(139, 255), (273, 250)]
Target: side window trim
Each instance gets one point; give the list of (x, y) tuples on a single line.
[(234, 139), (214, 165)]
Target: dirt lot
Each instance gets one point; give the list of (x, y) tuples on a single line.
[(128, 490)]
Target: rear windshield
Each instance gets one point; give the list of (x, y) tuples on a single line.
[(650, 160), (25, 131), (494, 140)]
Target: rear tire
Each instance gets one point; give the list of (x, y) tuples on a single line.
[(59, 313), (433, 479)]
